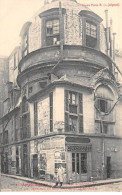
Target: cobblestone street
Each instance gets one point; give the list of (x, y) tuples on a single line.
[(10, 184)]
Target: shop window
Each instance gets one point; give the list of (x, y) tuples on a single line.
[(52, 32), (73, 162), (83, 163), (91, 35), (79, 163)]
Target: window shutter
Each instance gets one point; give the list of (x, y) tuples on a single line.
[(35, 119), (51, 112), (80, 103), (66, 100), (66, 122), (80, 124)]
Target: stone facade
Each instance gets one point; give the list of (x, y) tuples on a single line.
[(62, 102)]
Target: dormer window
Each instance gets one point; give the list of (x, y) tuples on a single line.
[(52, 32), (90, 23), (91, 35)]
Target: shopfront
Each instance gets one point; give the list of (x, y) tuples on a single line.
[(78, 155)]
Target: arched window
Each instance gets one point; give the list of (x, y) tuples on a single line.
[(104, 98), (104, 112)]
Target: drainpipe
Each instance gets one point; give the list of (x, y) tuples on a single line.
[(111, 42), (61, 30), (114, 46), (103, 148)]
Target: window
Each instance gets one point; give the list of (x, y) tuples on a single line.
[(72, 123), (91, 35), (79, 163), (73, 111), (102, 105), (83, 163), (52, 32), (105, 128), (72, 98)]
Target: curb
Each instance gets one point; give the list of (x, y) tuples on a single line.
[(95, 183)]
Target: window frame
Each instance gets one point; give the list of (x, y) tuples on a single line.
[(85, 20)]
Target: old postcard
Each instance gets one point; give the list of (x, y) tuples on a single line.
[(61, 95)]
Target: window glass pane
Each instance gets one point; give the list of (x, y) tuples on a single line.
[(87, 25), (83, 163), (49, 28), (103, 105), (55, 26), (78, 163), (73, 162), (72, 123)]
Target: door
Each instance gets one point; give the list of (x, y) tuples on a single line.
[(35, 166), (25, 160), (17, 160), (108, 166), (6, 163), (79, 167)]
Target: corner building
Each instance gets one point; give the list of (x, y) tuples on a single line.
[(69, 103)]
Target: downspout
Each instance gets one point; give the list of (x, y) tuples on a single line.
[(107, 31)]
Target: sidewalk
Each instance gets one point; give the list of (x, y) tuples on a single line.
[(65, 186)]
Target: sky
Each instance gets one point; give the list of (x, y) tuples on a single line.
[(14, 13)]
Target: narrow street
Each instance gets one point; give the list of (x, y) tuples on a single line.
[(10, 184)]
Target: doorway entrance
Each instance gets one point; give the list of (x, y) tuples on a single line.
[(79, 167), (108, 166)]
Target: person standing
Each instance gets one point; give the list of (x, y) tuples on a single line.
[(60, 176)]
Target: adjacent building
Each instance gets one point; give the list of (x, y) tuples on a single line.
[(63, 101)]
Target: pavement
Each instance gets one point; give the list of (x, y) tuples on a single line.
[(65, 186)]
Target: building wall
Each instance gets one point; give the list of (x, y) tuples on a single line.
[(58, 109), (3, 79), (113, 150), (72, 26)]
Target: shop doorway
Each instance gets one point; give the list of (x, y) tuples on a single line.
[(35, 166), (108, 166), (79, 167)]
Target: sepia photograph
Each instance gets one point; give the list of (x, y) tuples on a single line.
[(61, 96)]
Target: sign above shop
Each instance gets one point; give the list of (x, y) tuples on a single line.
[(77, 140), (79, 148)]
